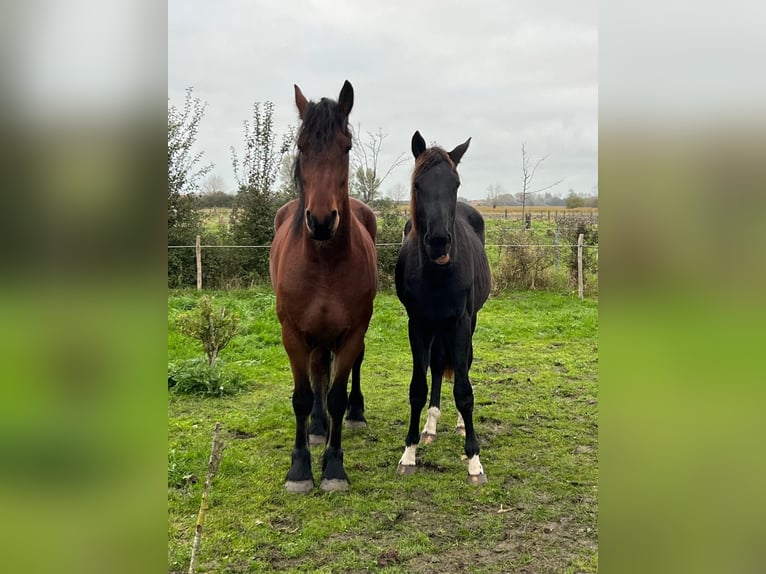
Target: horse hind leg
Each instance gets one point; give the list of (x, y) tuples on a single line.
[(460, 424), (439, 370), (320, 371), (355, 412)]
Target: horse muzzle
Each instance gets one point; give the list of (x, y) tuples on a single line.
[(322, 229), (438, 248)]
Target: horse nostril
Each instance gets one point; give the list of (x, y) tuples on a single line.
[(334, 214)]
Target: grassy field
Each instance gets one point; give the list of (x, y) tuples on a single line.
[(535, 386)]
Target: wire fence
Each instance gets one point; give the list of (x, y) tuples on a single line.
[(536, 245)]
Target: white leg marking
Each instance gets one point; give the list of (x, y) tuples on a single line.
[(474, 466), (408, 458), (433, 417)]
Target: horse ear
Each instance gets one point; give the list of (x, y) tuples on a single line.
[(418, 144), (300, 101), (456, 154), (346, 98)]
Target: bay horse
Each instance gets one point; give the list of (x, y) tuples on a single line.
[(442, 279), (323, 268)]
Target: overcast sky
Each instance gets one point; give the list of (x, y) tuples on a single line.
[(501, 72)]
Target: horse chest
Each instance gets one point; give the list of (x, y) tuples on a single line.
[(322, 308), (435, 305)]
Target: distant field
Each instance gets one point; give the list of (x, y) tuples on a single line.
[(218, 217)]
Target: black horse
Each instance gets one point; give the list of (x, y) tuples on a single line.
[(442, 279)]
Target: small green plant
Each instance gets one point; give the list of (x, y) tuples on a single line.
[(197, 377), (213, 327)]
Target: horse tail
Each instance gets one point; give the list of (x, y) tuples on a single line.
[(440, 359)]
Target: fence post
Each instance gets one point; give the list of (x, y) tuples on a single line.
[(579, 264), (198, 250)]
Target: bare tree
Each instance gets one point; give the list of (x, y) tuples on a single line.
[(212, 183), (494, 191), (366, 175), (398, 192), (527, 174)]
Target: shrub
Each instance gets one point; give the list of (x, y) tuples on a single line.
[(214, 328), (390, 228), (523, 261), (570, 227), (198, 377)]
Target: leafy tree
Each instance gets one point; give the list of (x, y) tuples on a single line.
[(184, 174), (256, 204), (574, 200)]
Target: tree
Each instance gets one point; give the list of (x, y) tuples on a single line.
[(574, 200), (366, 178), (398, 193), (494, 191), (212, 183), (184, 171), (184, 174), (528, 173), (256, 173)]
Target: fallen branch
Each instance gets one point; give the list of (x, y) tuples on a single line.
[(216, 452)]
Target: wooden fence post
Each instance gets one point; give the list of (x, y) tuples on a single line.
[(198, 249), (579, 264)]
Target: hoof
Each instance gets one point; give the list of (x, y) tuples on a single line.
[(477, 479), (404, 469), (299, 486), (317, 439), (334, 485), (427, 438), (355, 424), (460, 431)]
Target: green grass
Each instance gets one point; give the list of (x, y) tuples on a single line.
[(535, 387)]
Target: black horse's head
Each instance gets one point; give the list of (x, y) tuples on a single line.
[(321, 168), (434, 196)]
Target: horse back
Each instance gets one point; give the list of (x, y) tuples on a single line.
[(366, 217)]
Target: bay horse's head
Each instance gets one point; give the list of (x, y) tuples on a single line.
[(434, 196), (321, 168)]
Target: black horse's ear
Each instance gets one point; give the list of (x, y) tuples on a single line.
[(300, 101), (418, 144), (456, 154), (346, 98)]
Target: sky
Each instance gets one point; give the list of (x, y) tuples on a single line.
[(501, 72)]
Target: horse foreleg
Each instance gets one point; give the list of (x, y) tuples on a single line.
[(463, 392), (299, 477), (320, 373), (355, 414), (334, 476), (420, 345)]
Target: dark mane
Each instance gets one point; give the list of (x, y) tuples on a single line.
[(432, 157), (321, 122)]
